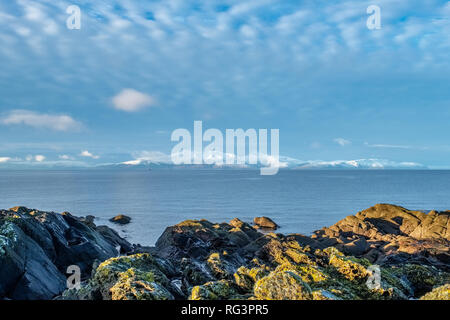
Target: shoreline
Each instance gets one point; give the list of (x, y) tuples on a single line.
[(198, 259)]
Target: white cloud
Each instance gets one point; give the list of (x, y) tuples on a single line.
[(87, 154), (40, 120), (39, 158), (131, 100), (65, 157), (149, 156), (4, 159), (36, 158), (342, 142), (388, 146)]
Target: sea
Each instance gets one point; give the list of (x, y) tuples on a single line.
[(299, 201)]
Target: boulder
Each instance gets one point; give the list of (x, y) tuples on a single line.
[(388, 234), (121, 219), (439, 293), (265, 223), (282, 285), (134, 277), (36, 247)]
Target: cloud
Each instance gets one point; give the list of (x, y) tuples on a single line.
[(65, 157), (39, 158), (40, 120), (36, 158), (149, 156), (342, 142), (388, 146), (87, 154), (4, 159), (130, 100)]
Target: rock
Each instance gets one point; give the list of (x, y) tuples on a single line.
[(246, 278), (26, 272), (200, 260), (387, 235), (113, 237), (265, 223), (282, 285), (36, 248), (135, 277), (439, 293), (121, 219), (217, 290)]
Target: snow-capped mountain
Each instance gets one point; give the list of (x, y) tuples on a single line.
[(359, 164), (286, 163)]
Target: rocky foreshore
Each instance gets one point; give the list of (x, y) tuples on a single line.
[(384, 252)]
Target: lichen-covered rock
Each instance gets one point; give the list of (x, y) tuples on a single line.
[(246, 278), (348, 268), (219, 267), (134, 277), (308, 273), (282, 285), (137, 285), (421, 278), (216, 290), (324, 295), (439, 293)]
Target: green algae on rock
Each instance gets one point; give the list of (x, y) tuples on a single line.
[(439, 293), (282, 285)]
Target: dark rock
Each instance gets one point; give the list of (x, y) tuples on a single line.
[(121, 219), (265, 223), (36, 248)]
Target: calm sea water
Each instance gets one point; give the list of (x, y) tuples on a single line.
[(300, 201)]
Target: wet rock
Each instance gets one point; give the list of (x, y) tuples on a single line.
[(121, 219)]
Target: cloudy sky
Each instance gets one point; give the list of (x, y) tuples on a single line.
[(115, 89)]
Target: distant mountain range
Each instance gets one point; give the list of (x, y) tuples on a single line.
[(285, 163)]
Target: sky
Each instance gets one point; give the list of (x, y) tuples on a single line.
[(115, 89)]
